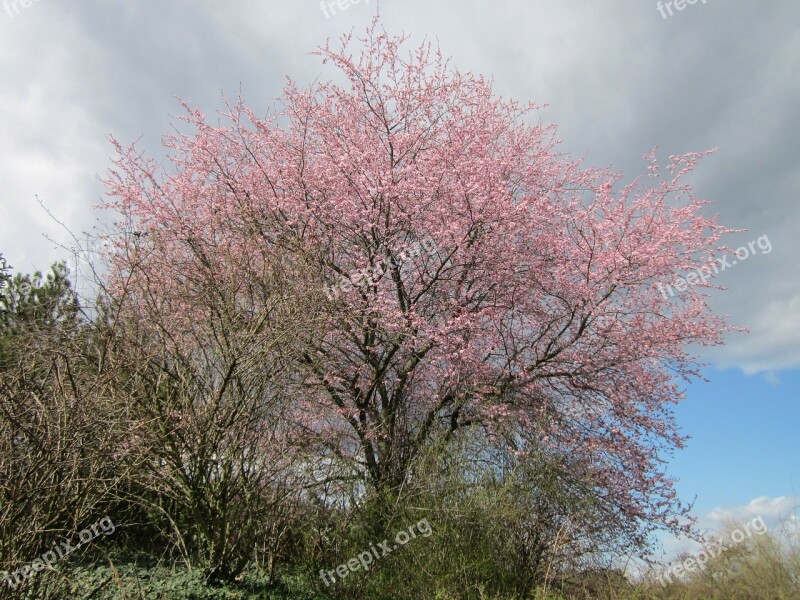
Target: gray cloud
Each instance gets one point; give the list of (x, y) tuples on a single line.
[(618, 78)]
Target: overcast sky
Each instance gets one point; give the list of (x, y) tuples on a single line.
[(619, 77)]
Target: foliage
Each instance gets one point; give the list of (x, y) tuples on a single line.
[(140, 577), (764, 566), (58, 433)]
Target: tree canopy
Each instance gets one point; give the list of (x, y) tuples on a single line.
[(532, 310)]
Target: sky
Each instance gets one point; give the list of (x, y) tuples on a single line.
[(618, 78)]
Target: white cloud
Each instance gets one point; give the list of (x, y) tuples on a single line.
[(778, 513), (773, 510), (773, 341)]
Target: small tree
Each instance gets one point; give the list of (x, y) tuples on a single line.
[(60, 432), (216, 436)]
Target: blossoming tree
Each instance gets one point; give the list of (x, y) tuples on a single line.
[(532, 308)]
